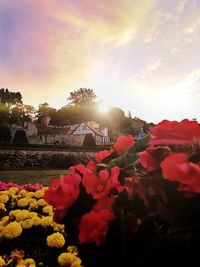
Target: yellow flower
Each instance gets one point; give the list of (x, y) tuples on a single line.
[(22, 215), (23, 202), (48, 209), (39, 194), (56, 240), (46, 221), (33, 204), (41, 202), (13, 190), (30, 194), (2, 262), (69, 259), (58, 227), (21, 264), (12, 230), (4, 198), (30, 262), (72, 249), (23, 193), (2, 206), (36, 221), (5, 192), (27, 224)]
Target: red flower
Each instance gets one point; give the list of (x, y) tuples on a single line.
[(193, 188), (99, 186), (105, 203), (62, 193), (91, 165), (153, 156), (93, 226), (175, 133), (177, 167), (79, 167), (124, 143), (103, 154)]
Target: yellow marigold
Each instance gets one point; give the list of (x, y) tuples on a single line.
[(27, 224), (48, 209), (2, 206), (5, 220), (39, 194), (21, 264), (58, 227), (13, 190), (36, 221), (33, 204), (56, 240), (22, 215), (46, 221), (4, 198), (23, 193), (4, 192), (30, 262), (72, 249), (69, 259), (30, 194), (2, 262), (23, 202), (12, 230), (41, 202)]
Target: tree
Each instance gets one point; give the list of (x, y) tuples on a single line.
[(21, 113), (10, 98), (45, 110), (4, 114), (82, 96)]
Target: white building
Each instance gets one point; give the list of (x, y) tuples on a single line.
[(100, 135)]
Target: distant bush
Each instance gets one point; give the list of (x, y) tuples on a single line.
[(63, 161)]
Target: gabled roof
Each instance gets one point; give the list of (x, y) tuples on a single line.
[(90, 127)]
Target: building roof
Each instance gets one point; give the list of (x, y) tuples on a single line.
[(90, 127)]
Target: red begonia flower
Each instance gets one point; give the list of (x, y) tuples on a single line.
[(103, 154), (123, 143), (91, 165), (151, 158), (93, 226), (62, 193), (175, 133), (192, 188), (105, 203), (177, 167), (99, 185), (79, 167)]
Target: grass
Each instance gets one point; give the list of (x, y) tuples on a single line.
[(31, 176)]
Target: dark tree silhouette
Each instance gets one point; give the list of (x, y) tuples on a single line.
[(10, 98), (82, 96)]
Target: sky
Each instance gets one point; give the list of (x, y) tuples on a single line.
[(139, 55)]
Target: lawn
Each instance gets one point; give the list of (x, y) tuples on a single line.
[(31, 176)]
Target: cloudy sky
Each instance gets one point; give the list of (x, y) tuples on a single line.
[(139, 55)]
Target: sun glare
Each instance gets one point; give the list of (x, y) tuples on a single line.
[(103, 108)]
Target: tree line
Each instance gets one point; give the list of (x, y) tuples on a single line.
[(81, 106)]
